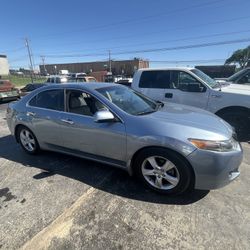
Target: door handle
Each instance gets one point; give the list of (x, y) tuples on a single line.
[(169, 95), (216, 96), (68, 121), (31, 113)]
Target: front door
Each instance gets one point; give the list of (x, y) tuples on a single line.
[(187, 90), (82, 134)]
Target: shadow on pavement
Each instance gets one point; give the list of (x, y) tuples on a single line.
[(97, 175)]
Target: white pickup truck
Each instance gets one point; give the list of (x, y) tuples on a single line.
[(192, 87)]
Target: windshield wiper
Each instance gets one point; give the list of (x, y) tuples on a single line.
[(146, 112)]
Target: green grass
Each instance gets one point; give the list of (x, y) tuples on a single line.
[(20, 81)]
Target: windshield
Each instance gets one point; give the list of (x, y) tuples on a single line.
[(207, 79), (235, 76), (128, 100)]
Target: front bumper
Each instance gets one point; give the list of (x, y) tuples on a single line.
[(215, 169)]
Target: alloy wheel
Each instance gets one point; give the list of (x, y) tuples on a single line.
[(160, 172), (27, 140)]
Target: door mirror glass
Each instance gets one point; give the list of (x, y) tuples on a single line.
[(104, 116), (191, 87), (194, 87)]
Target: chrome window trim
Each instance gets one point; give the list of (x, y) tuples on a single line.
[(65, 102)]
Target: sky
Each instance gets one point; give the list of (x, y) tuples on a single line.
[(82, 31)]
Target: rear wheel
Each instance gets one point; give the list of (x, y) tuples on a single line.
[(163, 171), (27, 140)]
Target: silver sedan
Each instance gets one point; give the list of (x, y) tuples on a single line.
[(170, 147)]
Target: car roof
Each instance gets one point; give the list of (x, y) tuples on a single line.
[(170, 68), (87, 86)]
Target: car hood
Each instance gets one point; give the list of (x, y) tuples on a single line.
[(200, 122), (236, 88)]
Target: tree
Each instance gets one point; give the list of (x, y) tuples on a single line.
[(240, 56)]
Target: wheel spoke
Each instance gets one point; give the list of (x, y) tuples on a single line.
[(32, 141), (173, 180), (168, 165), (30, 146), (148, 172), (158, 181), (153, 162), (22, 135)]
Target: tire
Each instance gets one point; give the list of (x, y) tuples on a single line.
[(240, 121), (27, 140), (163, 171)]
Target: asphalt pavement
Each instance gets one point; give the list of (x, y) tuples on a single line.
[(53, 201)]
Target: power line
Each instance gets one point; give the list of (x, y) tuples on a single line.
[(173, 40), (188, 61), (13, 50), (201, 45), (17, 59), (165, 13), (163, 31)]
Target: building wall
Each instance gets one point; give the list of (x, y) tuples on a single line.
[(4, 65), (126, 67)]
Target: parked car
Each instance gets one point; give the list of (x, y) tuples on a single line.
[(170, 147), (125, 82), (8, 91), (57, 79), (85, 79), (241, 77), (30, 87), (193, 87)]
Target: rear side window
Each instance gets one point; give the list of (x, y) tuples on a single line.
[(156, 79), (50, 99)]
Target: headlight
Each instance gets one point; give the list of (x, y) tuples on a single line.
[(220, 146)]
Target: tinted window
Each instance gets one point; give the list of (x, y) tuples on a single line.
[(50, 99), (82, 103), (158, 79), (185, 82)]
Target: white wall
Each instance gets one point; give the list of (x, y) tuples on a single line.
[(4, 66)]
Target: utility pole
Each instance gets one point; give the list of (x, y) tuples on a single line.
[(30, 58), (110, 66), (43, 61)]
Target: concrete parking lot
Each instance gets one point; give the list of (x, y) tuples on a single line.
[(53, 201)]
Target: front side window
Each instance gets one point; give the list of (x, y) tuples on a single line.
[(204, 77), (49, 99), (128, 100), (156, 79), (182, 80), (81, 103)]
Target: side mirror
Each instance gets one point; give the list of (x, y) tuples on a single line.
[(194, 87), (104, 116)]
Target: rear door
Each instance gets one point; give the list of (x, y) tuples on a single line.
[(155, 84), (44, 111)]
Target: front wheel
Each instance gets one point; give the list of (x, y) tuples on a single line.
[(163, 171), (27, 140)]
